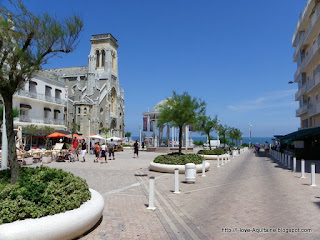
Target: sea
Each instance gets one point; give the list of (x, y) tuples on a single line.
[(254, 140)]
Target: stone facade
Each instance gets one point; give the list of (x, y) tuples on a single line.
[(94, 95)]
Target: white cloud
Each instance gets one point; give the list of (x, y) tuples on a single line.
[(284, 98)]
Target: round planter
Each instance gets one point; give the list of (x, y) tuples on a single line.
[(62, 226), (167, 168)]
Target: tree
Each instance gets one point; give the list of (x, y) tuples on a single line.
[(179, 111), (74, 128), (27, 41), (127, 134), (238, 135), (45, 131), (232, 134), (105, 131), (15, 113), (223, 131), (205, 125)]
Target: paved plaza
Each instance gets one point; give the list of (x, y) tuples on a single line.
[(248, 198)]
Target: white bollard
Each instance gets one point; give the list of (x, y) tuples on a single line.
[(285, 160), (232, 153), (176, 181), (228, 158), (203, 168), (222, 163), (302, 169), (218, 165), (313, 175), (190, 172), (294, 169), (289, 162), (151, 194)]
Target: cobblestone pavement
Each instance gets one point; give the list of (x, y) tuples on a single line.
[(247, 195)]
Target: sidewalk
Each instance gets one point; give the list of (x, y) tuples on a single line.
[(247, 194)]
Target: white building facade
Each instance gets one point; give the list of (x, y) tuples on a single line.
[(306, 41)]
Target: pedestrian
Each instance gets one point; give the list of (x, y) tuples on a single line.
[(136, 149), (96, 151), (111, 149), (257, 149), (103, 153), (84, 149), (266, 149), (75, 147)]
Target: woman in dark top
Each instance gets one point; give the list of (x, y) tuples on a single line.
[(83, 149), (136, 148)]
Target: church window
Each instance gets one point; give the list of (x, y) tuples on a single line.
[(85, 111), (79, 110), (101, 111), (103, 58), (113, 60), (97, 59)]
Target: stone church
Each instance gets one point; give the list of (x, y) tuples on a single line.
[(95, 101)]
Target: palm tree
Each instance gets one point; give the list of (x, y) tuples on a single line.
[(179, 111), (205, 125)]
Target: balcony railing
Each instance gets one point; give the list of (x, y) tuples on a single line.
[(301, 91), (24, 118), (302, 110), (314, 110), (41, 97)]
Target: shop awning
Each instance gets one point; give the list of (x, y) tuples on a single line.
[(301, 134), (56, 110), (47, 109), (25, 106)]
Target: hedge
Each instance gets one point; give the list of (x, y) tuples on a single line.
[(179, 159), (39, 192)]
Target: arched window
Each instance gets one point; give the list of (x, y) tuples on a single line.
[(79, 110), (113, 54), (85, 111), (113, 98), (103, 58), (97, 58)]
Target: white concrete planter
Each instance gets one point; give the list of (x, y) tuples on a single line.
[(46, 159), (167, 168), (62, 226), (211, 157)]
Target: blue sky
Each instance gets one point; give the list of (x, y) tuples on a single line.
[(235, 55)]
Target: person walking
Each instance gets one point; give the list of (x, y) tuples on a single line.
[(84, 149), (111, 149), (75, 147), (136, 149), (96, 151), (103, 153), (266, 149)]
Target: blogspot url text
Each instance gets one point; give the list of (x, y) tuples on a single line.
[(266, 230)]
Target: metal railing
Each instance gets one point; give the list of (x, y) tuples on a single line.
[(24, 118), (41, 97)]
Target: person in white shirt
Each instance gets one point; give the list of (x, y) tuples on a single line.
[(103, 153)]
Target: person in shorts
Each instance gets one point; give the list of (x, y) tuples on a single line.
[(75, 147), (97, 152), (103, 153), (84, 150), (111, 149)]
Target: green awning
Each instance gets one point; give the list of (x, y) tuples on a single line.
[(301, 134)]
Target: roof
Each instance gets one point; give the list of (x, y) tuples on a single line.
[(301, 134)]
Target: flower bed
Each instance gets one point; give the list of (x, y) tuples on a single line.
[(168, 163)]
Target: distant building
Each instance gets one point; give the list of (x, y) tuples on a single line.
[(94, 94), (306, 39), (83, 95)]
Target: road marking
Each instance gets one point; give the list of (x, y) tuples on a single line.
[(175, 215)]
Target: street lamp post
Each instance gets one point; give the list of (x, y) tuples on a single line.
[(140, 133), (4, 153), (250, 134)]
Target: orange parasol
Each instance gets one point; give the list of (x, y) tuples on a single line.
[(56, 135)]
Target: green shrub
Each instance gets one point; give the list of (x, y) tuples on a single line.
[(216, 151), (245, 145), (39, 192), (179, 159), (198, 143)]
